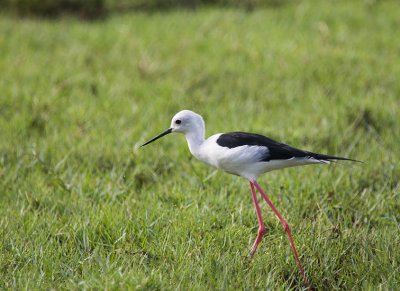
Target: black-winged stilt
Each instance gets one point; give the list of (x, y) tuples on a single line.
[(247, 155)]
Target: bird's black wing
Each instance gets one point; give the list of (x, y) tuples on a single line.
[(275, 150)]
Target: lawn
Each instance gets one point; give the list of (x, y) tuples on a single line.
[(82, 207)]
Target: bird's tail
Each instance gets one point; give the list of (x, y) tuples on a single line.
[(328, 158)]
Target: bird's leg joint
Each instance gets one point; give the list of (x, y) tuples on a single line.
[(261, 230)]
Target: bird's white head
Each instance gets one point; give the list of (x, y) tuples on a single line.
[(187, 122)]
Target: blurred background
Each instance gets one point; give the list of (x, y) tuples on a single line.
[(94, 9), (84, 82)]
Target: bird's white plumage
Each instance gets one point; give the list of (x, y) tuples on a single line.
[(242, 160)]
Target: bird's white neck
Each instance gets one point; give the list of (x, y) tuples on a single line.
[(195, 139)]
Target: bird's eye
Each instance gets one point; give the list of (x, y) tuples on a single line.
[(178, 121)]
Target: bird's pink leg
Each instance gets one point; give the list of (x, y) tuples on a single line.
[(261, 227), (286, 227)]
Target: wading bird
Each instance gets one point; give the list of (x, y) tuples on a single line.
[(244, 154)]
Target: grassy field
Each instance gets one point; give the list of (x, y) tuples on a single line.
[(81, 207)]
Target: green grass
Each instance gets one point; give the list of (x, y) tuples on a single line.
[(81, 207)]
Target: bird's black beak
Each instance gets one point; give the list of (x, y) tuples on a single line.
[(169, 130)]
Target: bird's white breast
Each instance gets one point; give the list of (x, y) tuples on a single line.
[(235, 160)]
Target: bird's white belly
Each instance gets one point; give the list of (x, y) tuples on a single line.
[(238, 160)]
